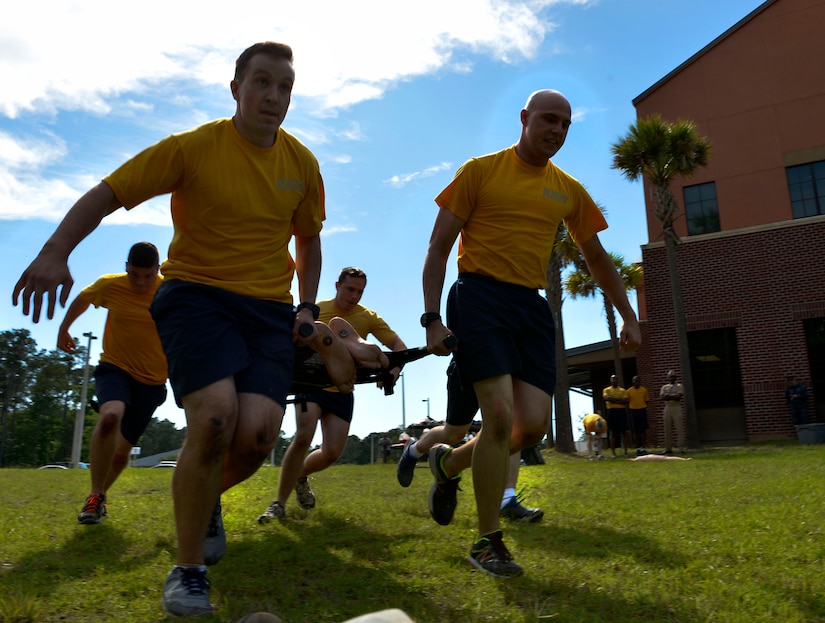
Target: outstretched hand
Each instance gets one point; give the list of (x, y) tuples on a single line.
[(43, 277)]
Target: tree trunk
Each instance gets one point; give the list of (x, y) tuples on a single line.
[(691, 421), (610, 313), (564, 426)]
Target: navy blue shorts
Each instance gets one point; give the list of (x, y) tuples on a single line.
[(502, 328), (638, 419), (462, 403), (112, 383), (333, 402), (209, 334), (616, 420)]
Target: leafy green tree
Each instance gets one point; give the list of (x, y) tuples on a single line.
[(580, 283), (39, 394), (17, 352), (161, 436), (662, 151)]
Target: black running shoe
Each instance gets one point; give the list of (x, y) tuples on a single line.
[(515, 511), (490, 555), (443, 499), (94, 509)]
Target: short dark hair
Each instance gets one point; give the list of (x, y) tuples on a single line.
[(271, 48), (143, 255), (352, 271)]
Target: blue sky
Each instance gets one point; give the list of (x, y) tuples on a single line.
[(391, 98)]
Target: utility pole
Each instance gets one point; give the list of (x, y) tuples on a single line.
[(80, 416), (427, 400), (403, 405)]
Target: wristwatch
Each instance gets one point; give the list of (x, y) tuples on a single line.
[(428, 317), (312, 307)]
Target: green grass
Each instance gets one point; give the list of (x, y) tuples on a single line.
[(735, 535)]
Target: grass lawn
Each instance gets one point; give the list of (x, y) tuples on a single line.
[(734, 535)]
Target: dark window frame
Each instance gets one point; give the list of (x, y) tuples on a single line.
[(701, 209), (806, 188)]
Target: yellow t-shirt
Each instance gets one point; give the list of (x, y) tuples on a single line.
[(614, 392), (638, 397), (594, 423), (511, 211), (363, 320), (235, 206), (130, 339)]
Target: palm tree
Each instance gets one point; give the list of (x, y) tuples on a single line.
[(564, 252), (580, 283), (662, 151)]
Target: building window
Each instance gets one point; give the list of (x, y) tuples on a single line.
[(701, 209), (806, 184)]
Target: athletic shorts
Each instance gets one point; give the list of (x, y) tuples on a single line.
[(638, 419), (462, 403), (502, 328), (141, 400), (333, 402), (616, 420), (209, 334)]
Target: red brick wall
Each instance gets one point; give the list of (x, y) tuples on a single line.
[(762, 282)]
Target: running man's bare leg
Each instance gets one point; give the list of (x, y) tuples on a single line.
[(257, 430), (512, 471), (335, 433), (446, 433), (292, 464), (120, 460), (491, 451), (103, 443), (211, 418)]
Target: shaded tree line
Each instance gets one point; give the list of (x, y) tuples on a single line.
[(40, 394)]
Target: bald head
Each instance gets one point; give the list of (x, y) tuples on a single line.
[(546, 98), (545, 119)]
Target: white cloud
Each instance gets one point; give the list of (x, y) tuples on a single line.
[(330, 230), (87, 52), (401, 180), (119, 59)]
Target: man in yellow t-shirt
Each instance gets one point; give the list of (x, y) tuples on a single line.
[(130, 381), (241, 190), (507, 207), (638, 398), (595, 427), (615, 400), (329, 407)]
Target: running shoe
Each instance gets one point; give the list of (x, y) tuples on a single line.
[(306, 498), (215, 544), (186, 592), (94, 509), (443, 498), (275, 510), (490, 555), (515, 511), (406, 465)]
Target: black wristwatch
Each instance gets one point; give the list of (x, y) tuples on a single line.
[(429, 317), (316, 311)]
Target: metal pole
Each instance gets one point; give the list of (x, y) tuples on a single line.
[(427, 400), (80, 416), (403, 405)]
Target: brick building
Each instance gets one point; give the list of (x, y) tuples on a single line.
[(752, 257)]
